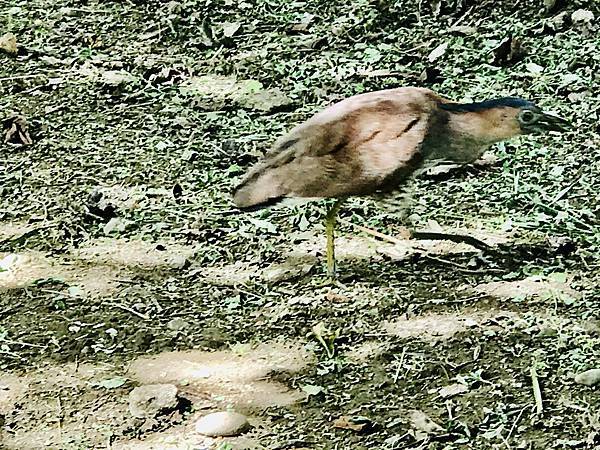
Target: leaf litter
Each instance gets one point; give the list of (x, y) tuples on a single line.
[(108, 95)]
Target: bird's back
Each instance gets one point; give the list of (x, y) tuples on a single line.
[(360, 145)]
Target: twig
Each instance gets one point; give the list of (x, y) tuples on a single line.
[(21, 77), (461, 18), (457, 238), (400, 365), (577, 220), (129, 310), (375, 233), (564, 192), (537, 393), (60, 419), (460, 267), (23, 237), (515, 423), (24, 344), (432, 235), (13, 354)]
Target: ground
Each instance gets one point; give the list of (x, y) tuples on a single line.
[(126, 125)]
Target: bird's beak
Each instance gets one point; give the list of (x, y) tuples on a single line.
[(550, 122)]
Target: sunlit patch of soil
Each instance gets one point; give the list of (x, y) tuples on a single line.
[(442, 326), (68, 406), (11, 230), (135, 253), (239, 378), (528, 287), (95, 269)]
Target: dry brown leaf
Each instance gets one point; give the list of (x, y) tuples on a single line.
[(347, 423), (231, 28), (509, 51), (336, 298), (17, 131)]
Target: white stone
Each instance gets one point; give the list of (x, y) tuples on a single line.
[(588, 378), (226, 423)]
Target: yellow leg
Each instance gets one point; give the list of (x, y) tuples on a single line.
[(330, 230)]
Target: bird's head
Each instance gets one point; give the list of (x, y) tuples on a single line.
[(503, 118), (532, 119)]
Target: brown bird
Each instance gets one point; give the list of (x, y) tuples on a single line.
[(377, 141)]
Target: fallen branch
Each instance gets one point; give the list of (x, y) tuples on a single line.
[(423, 235), (21, 238), (374, 233), (457, 238), (130, 310), (537, 393)]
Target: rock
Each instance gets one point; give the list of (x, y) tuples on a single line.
[(177, 262), (177, 324), (289, 270), (117, 77), (225, 423), (588, 378), (582, 15), (8, 43), (591, 326), (529, 287), (214, 92), (356, 423), (115, 224), (17, 130), (150, 400), (265, 100), (423, 425), (452, 390)]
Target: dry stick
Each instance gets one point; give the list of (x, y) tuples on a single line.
[(400, 365), (129, 310), (22, 77), (24, 344), (377, 234), (515, 423), (457, 238), (537, 393), (432, 235), (21, 238)]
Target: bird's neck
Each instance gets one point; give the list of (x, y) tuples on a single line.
[(462, 136), (482, 127)]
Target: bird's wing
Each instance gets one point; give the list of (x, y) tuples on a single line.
[(352, 147)]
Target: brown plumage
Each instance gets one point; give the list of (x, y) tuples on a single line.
[(374, 142)]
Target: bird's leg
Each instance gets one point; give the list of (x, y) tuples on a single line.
[(330, 230)]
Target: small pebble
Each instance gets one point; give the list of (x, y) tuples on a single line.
[(222, 424), (177, 324), (452, 390), (177, 262), (588, 378), (286, 271)]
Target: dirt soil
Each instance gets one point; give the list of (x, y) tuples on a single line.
[(125, 126)]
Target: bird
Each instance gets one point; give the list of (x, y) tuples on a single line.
[(375, 142)]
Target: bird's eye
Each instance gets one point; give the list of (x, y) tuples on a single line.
[(527, 116)]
